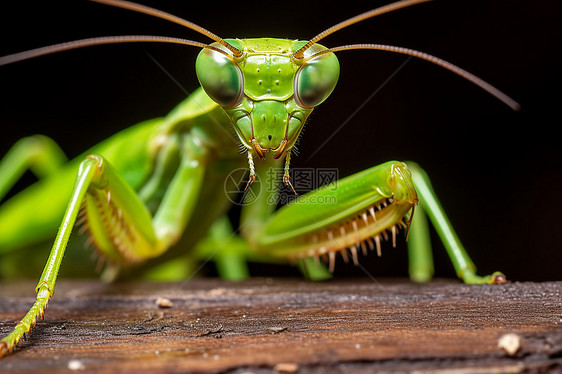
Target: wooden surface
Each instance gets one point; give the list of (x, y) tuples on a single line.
[(280, 325)]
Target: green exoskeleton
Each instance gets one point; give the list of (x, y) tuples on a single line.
[(156, 189)]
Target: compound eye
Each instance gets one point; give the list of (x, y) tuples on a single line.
[(220, 77), (316, 79)]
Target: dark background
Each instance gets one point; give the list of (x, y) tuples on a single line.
[(497, 172)]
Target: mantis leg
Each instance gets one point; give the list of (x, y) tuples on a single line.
[(38, 153), (45, 287), (356, 213), (347, 217), (231, 253), (120, 224), (421, 266), (227, 249), (420, 257)]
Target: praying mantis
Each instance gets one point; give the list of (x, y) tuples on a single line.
[(157, 189)]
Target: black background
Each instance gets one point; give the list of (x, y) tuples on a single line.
[(497, 172)]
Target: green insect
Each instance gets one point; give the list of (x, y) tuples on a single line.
[(156, 190)]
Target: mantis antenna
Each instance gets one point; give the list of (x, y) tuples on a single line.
[(361, 17), (5, 60), (435, 60), (169, 17), (299, 55)]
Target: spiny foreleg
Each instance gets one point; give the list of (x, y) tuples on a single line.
[(120, 224)]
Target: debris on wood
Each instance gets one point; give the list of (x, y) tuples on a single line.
[(76, 365), (286, 367), (510, 343), (163, 302)]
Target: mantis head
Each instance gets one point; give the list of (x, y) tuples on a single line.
[(267, 93)]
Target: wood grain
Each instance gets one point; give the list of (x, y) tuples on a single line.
[(282, 325)]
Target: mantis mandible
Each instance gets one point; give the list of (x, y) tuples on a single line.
[(155, 189)]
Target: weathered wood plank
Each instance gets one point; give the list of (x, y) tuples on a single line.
[(343, 325)]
